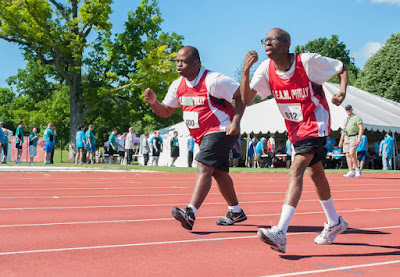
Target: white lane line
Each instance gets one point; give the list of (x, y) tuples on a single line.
[(172, 186), (182, 204), (170, 218), (188, 194), (158, 243), (333, 269)]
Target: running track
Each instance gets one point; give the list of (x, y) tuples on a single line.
[(119, 224)]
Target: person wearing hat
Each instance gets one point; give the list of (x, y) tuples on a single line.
[(353, 129)]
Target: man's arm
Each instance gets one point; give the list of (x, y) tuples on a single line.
[(360, 133), (338, 98), (248, 94), (234, 127), (341, 140), (159, 108)]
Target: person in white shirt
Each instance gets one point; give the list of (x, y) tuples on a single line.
[(121, 148), (129, 145)]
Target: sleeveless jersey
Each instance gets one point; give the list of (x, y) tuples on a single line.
[(202, 112), (301, 102)]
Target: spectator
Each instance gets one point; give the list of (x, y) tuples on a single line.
[(251, 152), (362, 151), (289, 150), (236, 149), (351, 136), (129, 145), (157, 145), (381, 146), (19, 141), (337, 159), (3, 145), (49, 138), (90, 144), (80, 144), (190, 146), (112, 146), (99, 156), (145, 148), (33, 139), (121, 148), (330, 143), (260, 151), (271, 150), (387, 152), (174, 143)]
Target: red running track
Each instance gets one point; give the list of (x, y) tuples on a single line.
[(113, 224)]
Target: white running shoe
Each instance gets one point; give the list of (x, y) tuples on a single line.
[(349, 174), (358, 172), (329, 233), (274, 237)]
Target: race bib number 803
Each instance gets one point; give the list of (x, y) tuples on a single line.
[(191, 119)]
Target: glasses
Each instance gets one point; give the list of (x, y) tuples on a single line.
[(270, 39)]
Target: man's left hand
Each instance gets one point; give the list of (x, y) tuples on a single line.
[(338, 98)]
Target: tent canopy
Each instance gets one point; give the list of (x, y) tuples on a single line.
[(377, 113)]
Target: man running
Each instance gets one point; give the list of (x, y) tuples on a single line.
[(214, 123), (295, 81)]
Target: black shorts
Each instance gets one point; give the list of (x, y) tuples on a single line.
[(5, 148), (215, 148), (18, 145), (314, 146), (110, 151), (175, 151), (361, 156), (121, 153)]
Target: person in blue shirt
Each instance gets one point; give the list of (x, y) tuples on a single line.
[(362, 152), (33, 139), (387, 152), (80, 141), (290, 156), (90, 144), (260, 150), (112, 146), (19, 141), (251, 152), (3, 144), (330, 143), (190, 146), (49, 138)]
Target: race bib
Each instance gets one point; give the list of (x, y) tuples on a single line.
[(191, 119), (291, 112)]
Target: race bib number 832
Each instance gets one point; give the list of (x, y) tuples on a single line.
[(291, 112)]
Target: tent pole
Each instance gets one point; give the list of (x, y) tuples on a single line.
[(395, 152)]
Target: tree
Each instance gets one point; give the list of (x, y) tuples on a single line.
[(381, 73), (112, 73), (334, 49)]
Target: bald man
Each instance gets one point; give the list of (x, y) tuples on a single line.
[(295, 81), (205, 98)]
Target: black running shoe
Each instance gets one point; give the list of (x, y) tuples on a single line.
[(185, 217), (232, 218)]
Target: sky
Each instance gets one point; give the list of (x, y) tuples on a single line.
[(225, 30)]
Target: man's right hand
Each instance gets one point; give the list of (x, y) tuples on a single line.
[(150, 96), (250, 59)]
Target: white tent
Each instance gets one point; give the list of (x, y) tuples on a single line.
[(166, 135), (377, 113)]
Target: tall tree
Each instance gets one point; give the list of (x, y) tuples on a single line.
[(56, 34), (381, 73), (332, 48)]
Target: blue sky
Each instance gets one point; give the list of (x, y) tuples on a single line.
[(224, 30)]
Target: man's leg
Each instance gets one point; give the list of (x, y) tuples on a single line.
[(276, 236), (335, 225)]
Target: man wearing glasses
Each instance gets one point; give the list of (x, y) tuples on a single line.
[(205, 98), (353, 130), (295, 81)]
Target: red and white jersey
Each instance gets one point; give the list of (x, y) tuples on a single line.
[(301, 101), (203, 113)]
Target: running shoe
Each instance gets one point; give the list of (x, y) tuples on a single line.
[(274, 237), (232, 218), (185, 217), (358, 172), (329, 233), (349, 174)]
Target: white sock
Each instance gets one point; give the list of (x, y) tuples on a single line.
[(286, 217), (235, 209), (330, 211), (193, 208)]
